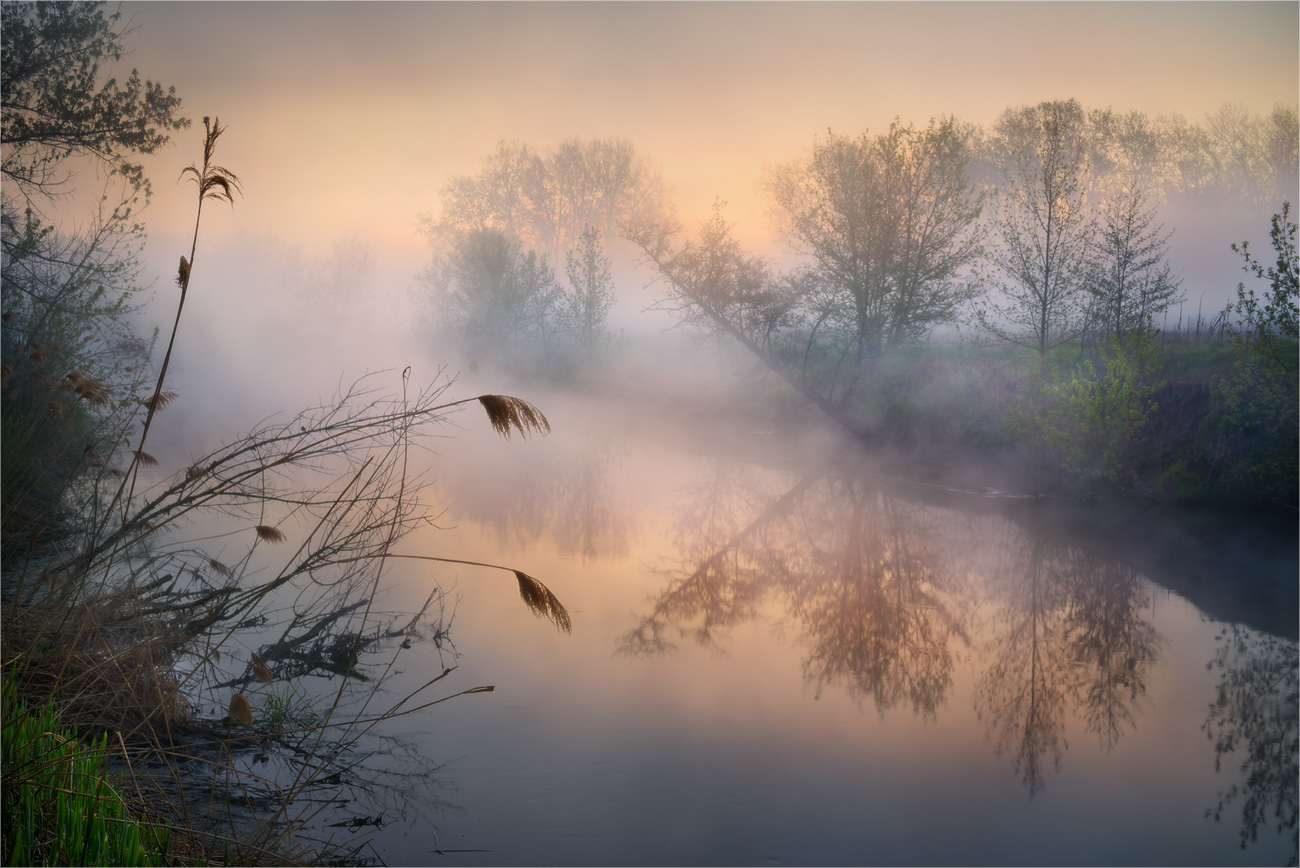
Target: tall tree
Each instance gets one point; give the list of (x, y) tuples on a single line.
[(483, 296), (543, 298), (71, 288), (1043, 225), (888, 223), (1128, 278)]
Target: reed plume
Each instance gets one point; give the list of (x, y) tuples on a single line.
[(260, 671), (539, 599), (145, 458), (269, 534), (507, 413), (157, 402), (215, 182), (95, 394), (240, 710)]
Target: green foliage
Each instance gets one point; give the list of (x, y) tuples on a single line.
[(1259, 399), (59, 807), (287, 708), (1097, 420), (56, 105), (67, 296)]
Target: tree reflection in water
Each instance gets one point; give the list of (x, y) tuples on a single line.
[(1255, 712), (862, 576), (883, 602), (1022, 694), (1111, 645), (850, 563), (1072, 632)]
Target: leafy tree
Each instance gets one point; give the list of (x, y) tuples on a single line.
[(72, 364), (1262, 396), (71, 289), (1043, 225), (1271, 320), (55, 106), (888, 224), (1282, 139), (543, 298), (544, 200), (591, 293), (484, 296)]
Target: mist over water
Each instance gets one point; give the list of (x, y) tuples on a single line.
[(786, 648), (876, 384), (782, 653)]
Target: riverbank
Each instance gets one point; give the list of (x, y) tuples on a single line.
[(1179, 419)]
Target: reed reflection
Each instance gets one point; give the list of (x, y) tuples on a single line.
[(857, 570), (1254, 716), (1072, 634)]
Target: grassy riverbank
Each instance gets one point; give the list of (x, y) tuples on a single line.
[(60, 805)]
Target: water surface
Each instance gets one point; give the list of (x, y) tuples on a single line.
[(784, 653)]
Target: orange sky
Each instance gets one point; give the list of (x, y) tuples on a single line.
[(347, 118)]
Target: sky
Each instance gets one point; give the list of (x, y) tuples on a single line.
[(346, 119)]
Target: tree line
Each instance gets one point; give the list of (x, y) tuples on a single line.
[(1040, 231)]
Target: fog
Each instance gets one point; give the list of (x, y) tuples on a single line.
[(897, 567)]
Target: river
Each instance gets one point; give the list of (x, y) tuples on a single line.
[(791, 653), (786, 654)]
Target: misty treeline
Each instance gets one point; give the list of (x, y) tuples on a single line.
[(1040, 239), (521, 269)]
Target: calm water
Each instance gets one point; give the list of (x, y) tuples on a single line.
[(784, 654)]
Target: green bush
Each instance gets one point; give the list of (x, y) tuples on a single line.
[(1097, 421)]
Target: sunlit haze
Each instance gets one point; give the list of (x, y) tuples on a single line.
[(347, 118), (930, 502)]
